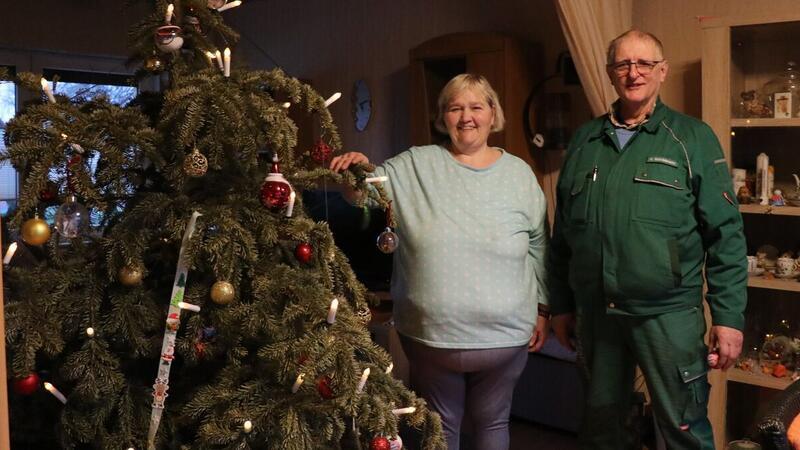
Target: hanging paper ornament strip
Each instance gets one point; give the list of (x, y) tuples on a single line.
[(170, 333)]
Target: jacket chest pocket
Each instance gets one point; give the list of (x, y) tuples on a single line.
[(662, 196), (579, 196)]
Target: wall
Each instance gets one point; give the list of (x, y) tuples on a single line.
[(334, 43), (676, 23)]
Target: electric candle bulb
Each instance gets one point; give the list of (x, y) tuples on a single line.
[(189, 306), (286, 105), (363, 381), (90, 332), (377, 179), (248, 426), (210, 56), (10, 253), (56, 393), (229, 5), (226, 58), (168, 16), (332, 311), (47, 90), (298, 382), (389, 369), (332, 99), (290, 207), (218, 56), (400, 411)]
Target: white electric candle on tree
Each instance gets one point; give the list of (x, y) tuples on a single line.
[(211, 57), (168, 16), (363, 381), (332, 99), (56, 393), (389, 369), (226, 58), (332, 311), (47, 90), (248, 426), (290, 207), (380, 179), (400, 411), (10, 253), (218, 56), (189, 306), (298, 382), (229, 5)]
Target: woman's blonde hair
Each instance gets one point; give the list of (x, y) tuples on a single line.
[(477, 83)]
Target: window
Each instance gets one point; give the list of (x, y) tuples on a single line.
[(8, 176), (88, 85)]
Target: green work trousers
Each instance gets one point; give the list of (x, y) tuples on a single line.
[(670, 350)]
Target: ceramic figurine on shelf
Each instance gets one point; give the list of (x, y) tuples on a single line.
[(744, 196), (777, 198), (753, 107)]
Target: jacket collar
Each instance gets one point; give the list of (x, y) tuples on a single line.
[(650, 124)]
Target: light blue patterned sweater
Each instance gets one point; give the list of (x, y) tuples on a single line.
[(470, 267)]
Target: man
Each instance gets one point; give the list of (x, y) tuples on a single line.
[(645, 205)]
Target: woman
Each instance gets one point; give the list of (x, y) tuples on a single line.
[(469, 270)]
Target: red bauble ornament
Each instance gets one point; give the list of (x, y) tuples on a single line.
[(27, 385), (304, 252), (325, 390), (49, 194), (275, 190), (321, 152), (379, 443)]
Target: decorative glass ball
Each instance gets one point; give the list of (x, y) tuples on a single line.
[(387, 241), (72, 218), (222, 292), (304, 252), (195, 164), (396, 443), (27, 385), (379, 443), (364, 316), (275, 192), (35, 231), (321, 152), (49, 194), (324, 387), (168, 38), (129, 276)]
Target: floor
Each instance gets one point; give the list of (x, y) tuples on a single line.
[(528, 436)]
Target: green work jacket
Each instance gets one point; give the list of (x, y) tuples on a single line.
[(636, 226)]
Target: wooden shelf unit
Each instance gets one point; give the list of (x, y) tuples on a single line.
[(758, 379), (734, 61)]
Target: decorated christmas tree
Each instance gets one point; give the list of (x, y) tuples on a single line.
[(168, 289)]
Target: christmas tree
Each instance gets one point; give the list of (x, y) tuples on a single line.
[(163, 293)]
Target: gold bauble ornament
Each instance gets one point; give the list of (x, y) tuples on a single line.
[(222, 292), (364, 316), (35, 231), (195, 164), (129, 276)]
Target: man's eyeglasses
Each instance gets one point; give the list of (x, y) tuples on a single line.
[(643, 67)]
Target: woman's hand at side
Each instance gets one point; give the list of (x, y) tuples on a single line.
[(342, 162), (539, 334)]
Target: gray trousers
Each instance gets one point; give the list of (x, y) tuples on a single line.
[(480, 382)]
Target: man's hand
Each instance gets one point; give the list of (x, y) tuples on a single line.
[(539, 334), (727, 343), (564, 328)]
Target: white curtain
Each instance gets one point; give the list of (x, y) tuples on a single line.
[(589, 25)]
